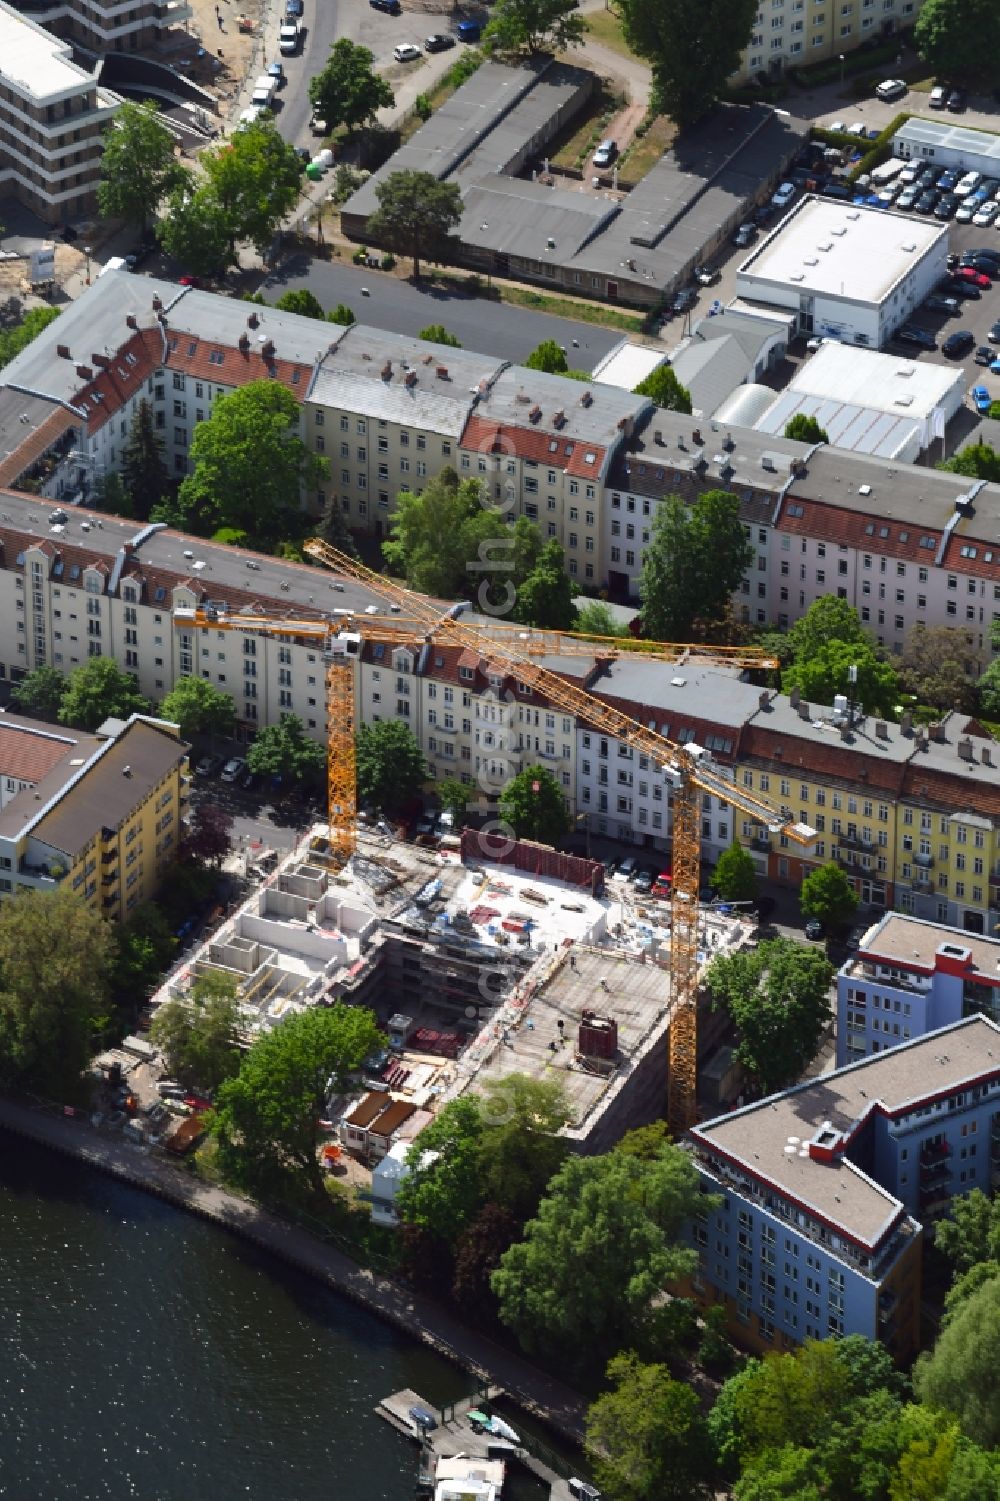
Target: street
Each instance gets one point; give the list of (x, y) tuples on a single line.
[(498, 329)]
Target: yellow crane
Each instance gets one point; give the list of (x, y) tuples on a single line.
[(689, 768)]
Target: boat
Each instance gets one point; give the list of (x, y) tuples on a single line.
[(484, 1423)]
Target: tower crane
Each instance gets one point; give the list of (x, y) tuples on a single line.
[(689, 768)]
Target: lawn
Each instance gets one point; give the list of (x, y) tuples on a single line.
[(646, 150), (565, 307), (585, 133), (605, 27)]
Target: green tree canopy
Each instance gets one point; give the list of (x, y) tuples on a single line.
[(55, 963), (199, 708), (936, 666), (98, 690), (333, 527), (39, 693), (534, 804), (692, 46), (735, 877), (250, 465), (138, 165), (549, 357), (348, 91), (647, 1438), (959, 39), (198, 1034), (284, 750), (255, 179), (975, 460), (777, 995), (342, 314), (194, 230), (436, 333), (988, 690), (662, 386), (442, 1197), (300, 300), (13, 340), (390, 765), (144, 471), (534, 26), (961, 1374), (415, 216), (605, 1243), (828, 619), (695, 558), (144, 947), (111, 496), (595, 619), (806, 429), (454, 796), (826, 674), (267, 1119), (971, 1232), (209, 836), (828, 895), (545, 596)]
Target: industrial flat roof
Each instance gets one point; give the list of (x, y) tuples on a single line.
[(866, 378), (849, 426), (627, 364), (941, 134), (914, 943), (768, 1139), (841, 250), (35, 62)]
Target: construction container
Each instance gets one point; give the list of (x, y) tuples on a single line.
[(534, 859), (598, 1036)]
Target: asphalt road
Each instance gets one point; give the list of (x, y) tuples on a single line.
[(509, 333)]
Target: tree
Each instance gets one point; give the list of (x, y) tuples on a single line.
[(333, 528), (39, 693), (195, 231), (534, 805), (646, 1439), (971, 1233), (441, 1197), (13, 340), (111, 496), (534, 26), (961, 1374), (453, 796), (348, 91), (549, 357), (604, 1245), (545, 597), (250, 464), (662, 386), (145, 946), (477, 1256), (267, 1119), (933, 667), (695, 558), (342, 314), (777, 995), (415, 216), (98, 690), (692, 46), (436, 333), (300, 300), (284, 750), (595, 619), (390, 765), (975, 460), (805, 429), (826, 674), (138, 165), (988, 689), (55, 961), (210, 835), (828, 896), (199, 1033), (958, 39), (437, 534), (829, 619), (735, 877), (255, 178), (199, 709), (144, 471)]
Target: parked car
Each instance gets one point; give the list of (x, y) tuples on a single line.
[(955, 102), (965, 290), (423, 1419), (927, 202), (438, 41), (983, 260), (928, 178), (686, 298), (984, 355), (814, 928), (233, 769), (939, 97), (911, 334), (391, 7), (958, 344), (406, 52), (605, 153), (248, 780), (277, 72), (288, 38), (967, 183), (745, 235), (582, 1490), (892, 88), (994, 333), (965, 213), (947, 180), (977, 278), (986, 214), (908, 197), (783, 195), (946, 206), (858, 128), (294, 9), (981, 399), (940, 303), (468, 31), (628, 867), (207, 766), (705, 276), (644, 880)]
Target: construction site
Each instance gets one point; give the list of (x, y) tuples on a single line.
[(474, 968)]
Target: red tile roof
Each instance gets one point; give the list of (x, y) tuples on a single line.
[(30, 755), (822, 758), (540, 445), (829, 523)]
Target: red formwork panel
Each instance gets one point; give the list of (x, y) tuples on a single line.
[(533, 859)]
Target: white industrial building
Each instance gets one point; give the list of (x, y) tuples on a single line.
[(850, 273), (869, 402), (627, 364), (942, 144)]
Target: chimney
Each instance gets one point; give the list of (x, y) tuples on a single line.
[(936, 731), (658, 438), (793, 698), (985, 756), (162, 318), (442, 372), (386, 371), (804, 711), (244, 342), (157, 302), (132, 321), (881, 729), (586, 400), (696, 435), (62, 350), (845, 732), (965, 749), (764, 699), (906, 723), (253, 321), (267, 349), (100, 360), (84, 372), (410, 379)]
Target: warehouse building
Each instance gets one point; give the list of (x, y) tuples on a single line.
[(849, 273), (940, 144)]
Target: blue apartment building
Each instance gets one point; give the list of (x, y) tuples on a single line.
[(825, 1189), (909, 977)]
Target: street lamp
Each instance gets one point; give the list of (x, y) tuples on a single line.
[(842, 60), (86, 251)]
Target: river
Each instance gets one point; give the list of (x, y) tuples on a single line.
[(144, 1353)]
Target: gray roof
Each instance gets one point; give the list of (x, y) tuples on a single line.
[(906, 493), (524, 123), (752, 332), (711, 371), (941, 134), (704, 693), (600, 422), (514, 216), (860, 429), (760, 1138)]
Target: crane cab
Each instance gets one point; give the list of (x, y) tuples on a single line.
[(347, 644)]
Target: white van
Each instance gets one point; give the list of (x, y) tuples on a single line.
[(263, 91)]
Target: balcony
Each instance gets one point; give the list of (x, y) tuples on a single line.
[(851, 863), (761, 844), (925, 862), (853, 840), (931, 1151), (919, 884), (938, 1169), (887, 1305)]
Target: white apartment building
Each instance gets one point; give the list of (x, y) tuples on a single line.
[(52, 118), (793, 33)]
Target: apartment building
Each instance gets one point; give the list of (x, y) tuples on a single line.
[(825, 1189), (909, 977), (53, 115), (103, 812), (110, 25), (793, 33)]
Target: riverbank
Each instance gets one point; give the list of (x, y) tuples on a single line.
[(548, 1399)]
